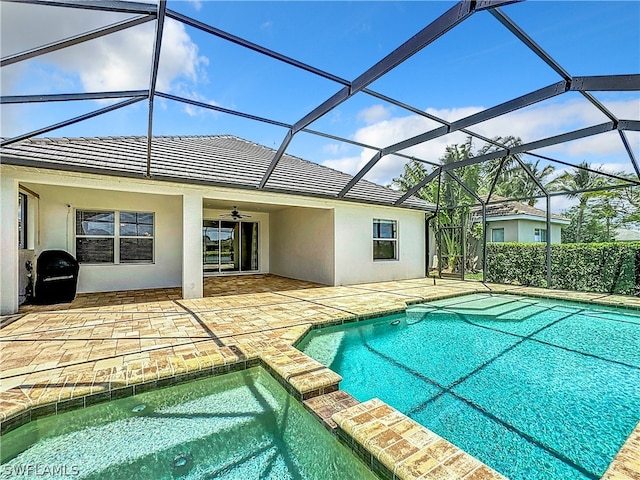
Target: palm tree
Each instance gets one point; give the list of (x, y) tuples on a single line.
[(519, 184), (453, 200), (454, 204), (492, 168), (414, 173), (575, 183)]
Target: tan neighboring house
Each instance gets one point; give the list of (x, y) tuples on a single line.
[(92, 198)]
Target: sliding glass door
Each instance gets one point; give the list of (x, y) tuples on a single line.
[(229, 246), (249, 246)]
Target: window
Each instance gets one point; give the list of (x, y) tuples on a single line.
[(99, 241), (540, 235), (136, 237), (385, 240), (22, 221), (497, 235)]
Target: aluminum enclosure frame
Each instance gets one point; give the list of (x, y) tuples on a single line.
[(458, 13)]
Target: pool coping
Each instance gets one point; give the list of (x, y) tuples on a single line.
[(623, 462)]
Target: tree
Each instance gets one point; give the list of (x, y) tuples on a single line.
[(592, 230), (574, 183), (627, 203), (605, 210), (414, 173), (452, 199), (517, 183), (513, 180)]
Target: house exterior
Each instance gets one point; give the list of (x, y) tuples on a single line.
[(92, 198), (513, 221), (626, 235)]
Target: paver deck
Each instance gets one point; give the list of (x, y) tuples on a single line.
[(105, 346)]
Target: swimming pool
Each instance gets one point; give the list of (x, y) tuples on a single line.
[(536, 389), (238, 426)]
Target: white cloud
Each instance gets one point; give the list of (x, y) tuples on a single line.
[(559, 204), (530, 124), (197, 4), (334, 148), (388, 132), (194, 111), (614, 168), (375, 113), (344, 164), (119, 61), (451, 114), (114, 65)]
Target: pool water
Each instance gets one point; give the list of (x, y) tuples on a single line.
[(238, 426), (536, 389)]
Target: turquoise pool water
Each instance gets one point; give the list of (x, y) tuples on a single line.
[(536, 389), (237, 426)]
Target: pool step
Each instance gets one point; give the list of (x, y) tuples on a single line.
[(394, 446), (301, 375)]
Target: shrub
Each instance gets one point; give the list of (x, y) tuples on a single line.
[(589, 267)]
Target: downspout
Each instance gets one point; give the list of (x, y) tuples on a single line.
[(548, 249), (484, 243), (427, 219)]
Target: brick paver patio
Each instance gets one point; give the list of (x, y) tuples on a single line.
[(103, 346)]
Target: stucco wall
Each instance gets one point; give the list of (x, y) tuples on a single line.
[(296, 233), (526, 231), (523, 231), (56, 227), (510, 230), (302, 244), (8, 245), (354, 245)]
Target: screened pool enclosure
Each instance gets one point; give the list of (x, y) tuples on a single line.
[(503, 64)]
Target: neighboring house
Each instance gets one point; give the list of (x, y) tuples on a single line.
[(626, 235), (508, 221), (92, 198), (513, 221)]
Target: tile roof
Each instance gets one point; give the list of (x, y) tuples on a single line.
[(510, 208), (220, 160)]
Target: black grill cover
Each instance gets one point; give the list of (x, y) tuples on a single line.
[(56, 277)]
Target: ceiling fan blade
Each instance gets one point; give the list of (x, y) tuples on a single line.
[(234, 214)]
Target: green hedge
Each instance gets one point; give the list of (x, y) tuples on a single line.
[(589, 267)]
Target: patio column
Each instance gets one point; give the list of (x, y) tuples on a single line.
[(9, 245), (192, 273)]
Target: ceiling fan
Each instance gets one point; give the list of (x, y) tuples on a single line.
[(235, 214)]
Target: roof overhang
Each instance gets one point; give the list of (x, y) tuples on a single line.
[(534, 218), (31, 163)]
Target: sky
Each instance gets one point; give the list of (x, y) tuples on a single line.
[(477, 65)]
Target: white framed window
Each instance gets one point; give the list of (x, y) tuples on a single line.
[(540, 235), (497, 235), (22, 220), (385, 239), (114, 237)]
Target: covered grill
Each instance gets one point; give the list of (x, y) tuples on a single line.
[(56, 277)]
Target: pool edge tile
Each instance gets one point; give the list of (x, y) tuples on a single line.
[(408, 453)]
